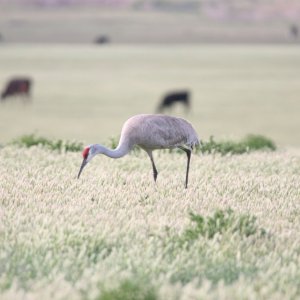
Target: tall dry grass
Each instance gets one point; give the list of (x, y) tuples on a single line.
[(114, 233)]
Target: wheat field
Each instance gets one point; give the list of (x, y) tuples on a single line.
[(114, 234)]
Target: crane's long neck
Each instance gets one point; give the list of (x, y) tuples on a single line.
[(120, 151)]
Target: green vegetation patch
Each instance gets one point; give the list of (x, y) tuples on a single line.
[(249, 143), (214, 260), (59, 145), (222, 221), (129, 290)]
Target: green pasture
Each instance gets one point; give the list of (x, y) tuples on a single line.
[(85, 92)]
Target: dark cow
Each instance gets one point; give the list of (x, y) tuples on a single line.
[(103, 39), (294, 31), (175, 97), (17, 86)]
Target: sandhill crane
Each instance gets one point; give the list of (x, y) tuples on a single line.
[(149, 132)]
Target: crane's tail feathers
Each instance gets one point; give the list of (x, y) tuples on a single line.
[(193, 143)]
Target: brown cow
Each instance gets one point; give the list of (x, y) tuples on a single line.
[(17, 86)]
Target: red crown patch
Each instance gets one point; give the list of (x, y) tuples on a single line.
[(85, 152)]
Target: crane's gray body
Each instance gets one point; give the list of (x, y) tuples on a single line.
[(158, 132), (150, 132)]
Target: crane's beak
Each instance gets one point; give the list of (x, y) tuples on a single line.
[(84, 162)]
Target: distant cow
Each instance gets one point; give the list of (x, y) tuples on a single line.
[(175, 97), (103, 39), (17, 86), (294, 31)]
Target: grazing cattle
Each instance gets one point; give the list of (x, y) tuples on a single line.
[(175, 97), (17, 86)]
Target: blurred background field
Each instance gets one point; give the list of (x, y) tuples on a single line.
[(239, 59), (86, 92), (150, 21)]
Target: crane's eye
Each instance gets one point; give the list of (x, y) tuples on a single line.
[(85, 152)]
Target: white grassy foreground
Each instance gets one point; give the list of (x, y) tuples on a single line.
[(114, 235)]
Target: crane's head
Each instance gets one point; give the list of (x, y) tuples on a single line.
[(87, 153)]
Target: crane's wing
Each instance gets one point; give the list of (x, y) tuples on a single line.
[(159, 131)]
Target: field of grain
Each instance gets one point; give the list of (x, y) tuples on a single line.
[(113, 234)]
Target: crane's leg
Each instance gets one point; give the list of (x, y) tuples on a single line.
[(188, 153), (153, 165)]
